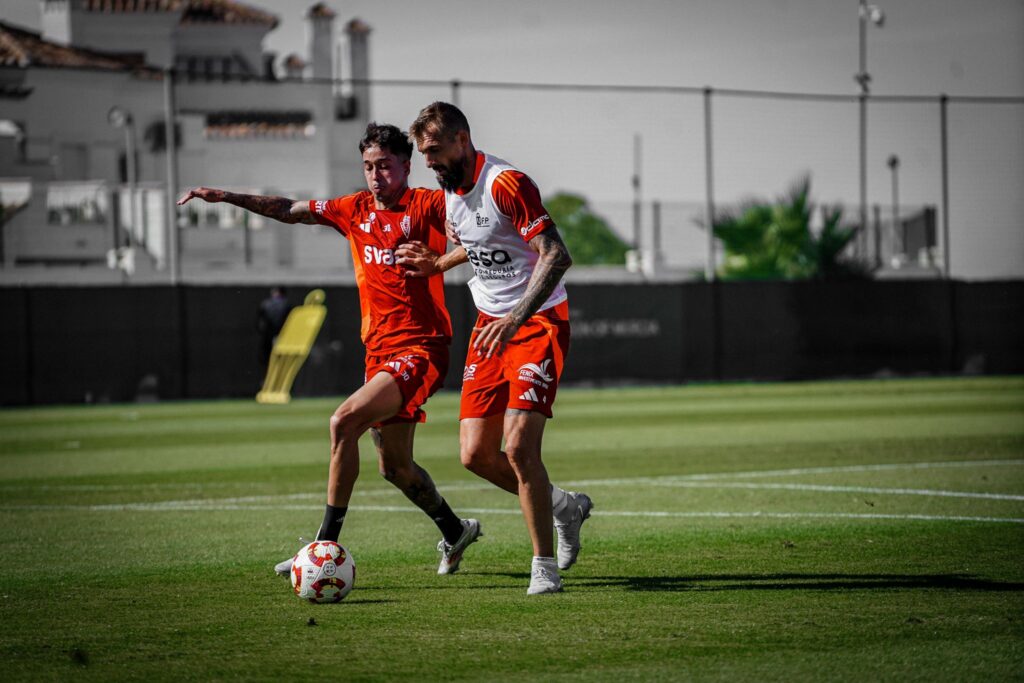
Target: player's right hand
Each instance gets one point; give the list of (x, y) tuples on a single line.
[(208, 194), (418, 259)]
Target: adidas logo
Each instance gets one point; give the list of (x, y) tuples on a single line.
[(531, 395), (395, 365)]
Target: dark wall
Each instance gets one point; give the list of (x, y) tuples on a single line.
[(75, 344)]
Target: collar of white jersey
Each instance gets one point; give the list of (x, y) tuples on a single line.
[(481, 158)]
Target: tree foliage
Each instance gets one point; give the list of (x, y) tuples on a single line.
[(589, 238), (774, 241)]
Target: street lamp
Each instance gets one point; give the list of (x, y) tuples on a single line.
[(873, 14), (121, 118)]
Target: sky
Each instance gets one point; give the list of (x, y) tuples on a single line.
[(585, 142)]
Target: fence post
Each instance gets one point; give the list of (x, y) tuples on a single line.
[(944, 123), (709, 207), (170, 138)]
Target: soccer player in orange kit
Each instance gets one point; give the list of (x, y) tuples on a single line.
[(521, 337), (405, 328)]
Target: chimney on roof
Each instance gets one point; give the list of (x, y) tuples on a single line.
[(320, 34), (294, 67), (358, 33), (55, 16)]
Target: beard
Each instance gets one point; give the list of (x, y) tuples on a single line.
[(450, 179)]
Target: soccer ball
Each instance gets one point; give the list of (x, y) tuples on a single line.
[(323, 571)]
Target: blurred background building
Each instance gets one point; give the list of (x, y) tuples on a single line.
[(83, 150)]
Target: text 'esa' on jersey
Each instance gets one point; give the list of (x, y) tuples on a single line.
[(397, 311)]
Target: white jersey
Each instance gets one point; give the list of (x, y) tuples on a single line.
[(497, 242)]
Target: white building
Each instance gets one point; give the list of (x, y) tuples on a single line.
[(69, 190)]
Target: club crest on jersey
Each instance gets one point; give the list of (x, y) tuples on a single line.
[(406, 226)]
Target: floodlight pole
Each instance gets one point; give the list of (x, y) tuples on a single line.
[(874, 14)]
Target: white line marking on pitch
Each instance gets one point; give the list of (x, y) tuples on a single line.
[(173, 506), (620, 481), (802, 471)]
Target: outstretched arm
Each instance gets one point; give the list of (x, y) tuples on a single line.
[(551, 266), (279, 208)]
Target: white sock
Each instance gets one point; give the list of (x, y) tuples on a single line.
[(545, 561), (561, 507)]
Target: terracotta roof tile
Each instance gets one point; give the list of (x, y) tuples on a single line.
[(195, 11), (22, 48)]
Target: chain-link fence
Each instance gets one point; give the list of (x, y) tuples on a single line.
[(943, 175)]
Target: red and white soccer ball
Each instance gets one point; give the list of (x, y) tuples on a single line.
[(323, 571)]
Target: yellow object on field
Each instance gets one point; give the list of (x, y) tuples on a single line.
[(292, 347)]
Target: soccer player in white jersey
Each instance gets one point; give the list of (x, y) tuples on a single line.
[(518, 347)]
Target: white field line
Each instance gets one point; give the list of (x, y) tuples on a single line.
[(169, 507), (665, 480), (803, 471)]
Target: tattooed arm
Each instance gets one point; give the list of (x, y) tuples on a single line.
[(551, 266), (278, 208)]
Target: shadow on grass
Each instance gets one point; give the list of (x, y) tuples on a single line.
[(769, 582)]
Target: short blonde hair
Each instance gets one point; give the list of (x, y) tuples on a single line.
[(439, 119)]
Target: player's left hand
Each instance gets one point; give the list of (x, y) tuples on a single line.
[(418, 259), (492, 337)]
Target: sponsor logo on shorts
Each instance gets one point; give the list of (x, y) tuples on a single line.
[(469, 372), (529, 370), (400, 365), (531, 396)]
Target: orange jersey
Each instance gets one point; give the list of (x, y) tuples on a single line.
[(397, 311)]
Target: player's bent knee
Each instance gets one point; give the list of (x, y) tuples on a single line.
[(347, 424), (521, 458)]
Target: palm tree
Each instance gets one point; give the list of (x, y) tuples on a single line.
[(773, 241)]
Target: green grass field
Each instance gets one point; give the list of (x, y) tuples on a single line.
[(813, 531)]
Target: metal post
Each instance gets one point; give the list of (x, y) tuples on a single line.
[(637, 206), (877, 224), (894, 165), (656, 253), (132, 173), (944, 123), (456, 85), (863, 103), (709, 206), (172, 177)]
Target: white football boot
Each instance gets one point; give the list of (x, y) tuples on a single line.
[(544, 577), (284, 567), (569, 531), (451, 555)]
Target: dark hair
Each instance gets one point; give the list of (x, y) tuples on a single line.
[(439, 119), (388, 138)]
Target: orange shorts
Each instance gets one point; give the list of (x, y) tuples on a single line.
[(419, 371), (524, 375)]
